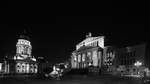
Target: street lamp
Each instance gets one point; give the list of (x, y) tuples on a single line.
[(138, 64)]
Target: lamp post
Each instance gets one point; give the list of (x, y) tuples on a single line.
[(138, 64)]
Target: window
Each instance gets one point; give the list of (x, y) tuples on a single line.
[(97, 43), (23, 71), (128, 70), (134, 70), (35, 66), (18, 70)]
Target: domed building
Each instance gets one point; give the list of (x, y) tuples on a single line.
[(24, 61), (21, 61)]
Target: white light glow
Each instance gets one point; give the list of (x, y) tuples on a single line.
[(27, 68), (33, 59), (138, 63), (24, 42), (92, 41), (95, 59), (23, 48), (0, 67), (18, 57), (83, 57)]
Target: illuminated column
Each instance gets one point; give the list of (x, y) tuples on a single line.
[(89, 56), (0, 67), (76, 61), (83, 60), (27, 68), (79, 60), (94, 58), (99, 58)]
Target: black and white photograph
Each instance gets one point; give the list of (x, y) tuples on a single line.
[(76, 50)]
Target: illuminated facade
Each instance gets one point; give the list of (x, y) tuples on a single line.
[(91, 41), (85, 57), (25, 63), (88, 53), (1, 67)]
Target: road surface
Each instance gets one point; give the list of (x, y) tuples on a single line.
[(74, 79)]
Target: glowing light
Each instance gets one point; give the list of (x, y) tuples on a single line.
[(33, 59), (0, 67), (95, 59), (27, 68), (79, 58), (24, 42), (83, 57), (138, 64), (23, 49), (15, 58), (92, 41), (18, 57)]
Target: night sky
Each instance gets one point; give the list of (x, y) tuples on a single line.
[(55, 40)]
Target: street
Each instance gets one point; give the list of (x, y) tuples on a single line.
[(74, 79)]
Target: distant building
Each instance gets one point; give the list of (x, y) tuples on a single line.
[(126, 60), (22, 62), (91, 41), (129, 56), (88, 53), (43, 65), (108, 55), (86, 56)]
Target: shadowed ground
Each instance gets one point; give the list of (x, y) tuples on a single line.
[(73, 79)]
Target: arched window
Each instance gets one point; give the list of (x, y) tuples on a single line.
[(18, 70)]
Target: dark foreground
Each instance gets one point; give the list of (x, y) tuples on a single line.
[(74, 79)]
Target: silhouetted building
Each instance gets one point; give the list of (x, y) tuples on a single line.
[(129, 56), (127, 60), (43, 65)]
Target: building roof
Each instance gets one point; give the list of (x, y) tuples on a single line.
[(24, 35), (86, 47)]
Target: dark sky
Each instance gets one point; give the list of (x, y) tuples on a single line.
[(55, 40)]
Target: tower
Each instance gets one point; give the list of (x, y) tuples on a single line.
[(24, 61), (23, 47)]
